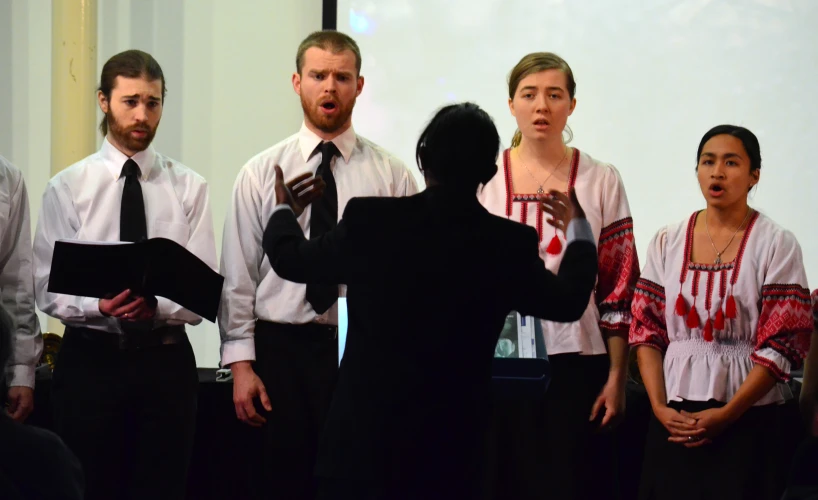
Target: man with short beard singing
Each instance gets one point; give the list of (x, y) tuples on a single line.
[(125, 386), (279, 338)]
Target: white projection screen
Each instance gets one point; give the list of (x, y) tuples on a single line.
[(652, 77)]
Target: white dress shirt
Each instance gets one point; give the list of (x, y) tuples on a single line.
[(83, 203), (16, 281), (252, 290)]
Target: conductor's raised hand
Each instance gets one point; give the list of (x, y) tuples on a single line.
[(298, 192), (562, 208)]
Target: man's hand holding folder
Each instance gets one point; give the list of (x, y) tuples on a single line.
[(127, 277), (129, 307)]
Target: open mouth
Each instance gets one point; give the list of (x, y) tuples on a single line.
[(716, 190), (329, 106), (541, 123)]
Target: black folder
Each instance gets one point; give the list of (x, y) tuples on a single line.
[(158, 267)]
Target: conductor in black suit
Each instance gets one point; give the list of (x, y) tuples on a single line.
[(430, 280)]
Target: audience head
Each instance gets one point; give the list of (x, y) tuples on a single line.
[(728, 165), (328, 81), (131, 94), (541, 90), (458, 149)]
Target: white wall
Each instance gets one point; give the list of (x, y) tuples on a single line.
[(652, 77), (227, 65)]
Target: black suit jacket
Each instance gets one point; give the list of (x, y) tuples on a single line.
[(430, 281)]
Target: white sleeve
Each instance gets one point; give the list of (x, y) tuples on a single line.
[(17, 285), (241, 259), (649, 326), (58, 220), (785, 320)]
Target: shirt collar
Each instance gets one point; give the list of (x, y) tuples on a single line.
[(115, 159), (308, 141)]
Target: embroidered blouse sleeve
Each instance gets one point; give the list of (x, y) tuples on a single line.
[(648, 307), (785, 321), (618, 261)]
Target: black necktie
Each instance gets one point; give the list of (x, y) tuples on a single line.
[(324, 217), (132, 224)]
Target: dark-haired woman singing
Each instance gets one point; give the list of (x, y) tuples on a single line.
[(721, 315)]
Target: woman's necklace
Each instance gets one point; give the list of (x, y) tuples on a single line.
[(718, 254), (540, 189)]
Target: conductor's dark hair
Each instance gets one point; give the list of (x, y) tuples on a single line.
[(747, 138), (459, 147), (6, 329)]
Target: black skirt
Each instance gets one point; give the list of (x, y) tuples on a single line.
[(547, 448), (750, 460)]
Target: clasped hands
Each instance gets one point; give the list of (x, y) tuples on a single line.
[(693, 429)]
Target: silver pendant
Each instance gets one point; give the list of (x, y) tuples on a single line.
[(540, 190), (718, 258)]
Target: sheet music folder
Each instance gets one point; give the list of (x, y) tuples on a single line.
[(158, 266)]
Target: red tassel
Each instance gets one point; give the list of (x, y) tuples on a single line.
[(719, 323), (708, 331), (555, 246), (693, 318), (681, 306), (730, 308)]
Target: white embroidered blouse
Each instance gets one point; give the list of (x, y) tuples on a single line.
[(724, 318), (601, 193)]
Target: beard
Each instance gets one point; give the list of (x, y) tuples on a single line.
[(324, 123), (122, 135)]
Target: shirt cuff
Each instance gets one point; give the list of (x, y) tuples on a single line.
[(90, 307), (281, 206), (579, 230), (238, 350), (21, 375)]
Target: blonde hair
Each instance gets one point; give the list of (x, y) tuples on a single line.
[(535, 63)]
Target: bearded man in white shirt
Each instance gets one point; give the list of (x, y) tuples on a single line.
[(279, 338), (17, 292), (125, 384)]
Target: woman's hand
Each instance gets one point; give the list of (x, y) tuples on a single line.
[(683, 429)]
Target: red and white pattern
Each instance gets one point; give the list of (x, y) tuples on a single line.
[(618, 274), (727, 317), (785, 323), (597, 185), (648, 326)]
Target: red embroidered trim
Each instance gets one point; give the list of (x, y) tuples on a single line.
[(688, 246), (777, 373), (723, 284), (785, 321), (618, 267), (539, 220), (524, 213), (742, 247), (572, 177), (648, 325)]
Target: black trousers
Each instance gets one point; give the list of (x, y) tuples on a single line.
[(298, 365), (547, 448), (128, 415)]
